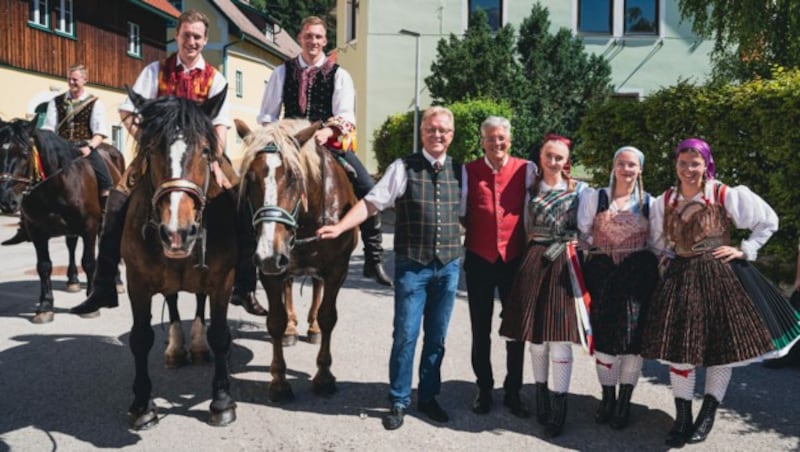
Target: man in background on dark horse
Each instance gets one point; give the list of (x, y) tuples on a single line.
[(183, 74), (79, 117), (313, 87)]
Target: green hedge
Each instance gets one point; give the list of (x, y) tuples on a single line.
[(751, 130), (395, 137)]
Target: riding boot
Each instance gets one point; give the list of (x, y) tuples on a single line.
[(682, 428), (555, 425), (104, 287), (244, 286), (705, 419), (542, 403), (373, 250), (606, 408), (104, 181), (20, 237), (622, 413)]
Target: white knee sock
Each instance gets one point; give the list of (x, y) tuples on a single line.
[(540, 362), (717, 379), (682, 377), (607, 367), (630, 368), (561, 362)]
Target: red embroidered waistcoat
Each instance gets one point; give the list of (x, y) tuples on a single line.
[(495, 205), (174, 81)]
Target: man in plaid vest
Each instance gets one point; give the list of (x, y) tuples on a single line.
[(424, 188)]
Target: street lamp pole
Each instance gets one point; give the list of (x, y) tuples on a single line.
[(416, 36)]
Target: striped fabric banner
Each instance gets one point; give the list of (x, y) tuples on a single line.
[(583, 301)]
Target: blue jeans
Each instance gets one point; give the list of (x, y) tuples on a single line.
[(427, 291)]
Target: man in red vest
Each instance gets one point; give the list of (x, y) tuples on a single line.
[(183, 74), (492, 204)]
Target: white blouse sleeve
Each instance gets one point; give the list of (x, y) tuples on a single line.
[(750, 211), (587, 208), (657, 241)]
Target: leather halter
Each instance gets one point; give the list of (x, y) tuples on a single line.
[(32, 176)]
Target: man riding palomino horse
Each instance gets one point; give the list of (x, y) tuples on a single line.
[(184, 74), (313, 87), (79, 117)]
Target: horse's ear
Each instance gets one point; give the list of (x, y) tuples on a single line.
[(242, 129), (136, 99), (213, 105), (30, 126), (306, 134)]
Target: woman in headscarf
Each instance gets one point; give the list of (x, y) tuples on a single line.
[(712, 309)]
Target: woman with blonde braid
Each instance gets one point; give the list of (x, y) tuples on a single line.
[(712, 308), (541, 307), (620, 273)]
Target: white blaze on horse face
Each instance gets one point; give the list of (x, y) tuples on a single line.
[(176, 151), (265, 248)]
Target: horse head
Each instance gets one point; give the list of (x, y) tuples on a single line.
[(17, 165), (178, 141), (279, 160)]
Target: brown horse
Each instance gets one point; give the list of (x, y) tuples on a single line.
[(294, 188), (179, 234), (44, 176), (176, 353)]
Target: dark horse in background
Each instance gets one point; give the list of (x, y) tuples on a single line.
[(56, 191), (179, 234), (294, 187)]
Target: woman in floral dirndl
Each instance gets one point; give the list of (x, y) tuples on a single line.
[(620, 273), (541, 308), (712, 309)]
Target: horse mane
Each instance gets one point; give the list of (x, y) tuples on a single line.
[(164, 119), (304, 162), (14, 132)]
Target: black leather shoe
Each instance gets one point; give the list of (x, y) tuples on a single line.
[(483, 402), (374, 270), (394, 419), (249, 302), (433, 410), (514, 404), (20, 237), (99, 298)]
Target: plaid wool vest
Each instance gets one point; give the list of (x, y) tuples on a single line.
[(427, 213)]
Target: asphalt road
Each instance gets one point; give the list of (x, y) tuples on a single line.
[(67, 385)]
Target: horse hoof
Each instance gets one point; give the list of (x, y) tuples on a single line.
[(90, 315), (144, 420), (222, 418), (42, 317), (175, 360), (200, 356), (73, 287), (289, 341), (325, 389), (279, 393), (314, 338)]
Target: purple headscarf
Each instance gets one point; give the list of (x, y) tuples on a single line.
[(703, 149)]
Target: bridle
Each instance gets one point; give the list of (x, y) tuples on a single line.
[(32, 176)]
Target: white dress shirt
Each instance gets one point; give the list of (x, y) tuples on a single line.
[(97, 121), (147, 86), (393, 183), (344, 94)]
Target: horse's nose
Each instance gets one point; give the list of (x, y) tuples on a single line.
[(13, 204), (275, 264)]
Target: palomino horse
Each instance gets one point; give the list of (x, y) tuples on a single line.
[(56, 191), (179, 234), (295, 187)]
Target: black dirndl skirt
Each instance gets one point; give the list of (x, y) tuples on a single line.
[(701, 314), (620, 299), (541, 306)]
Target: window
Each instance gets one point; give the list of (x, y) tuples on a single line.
[(38, 13), (269, 32), (595, 16), (65, 20), (618, 17), (641, 17), (134, 40), (116, 137), (178, 4), (239, 84), (493, 10), (352, 18)]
